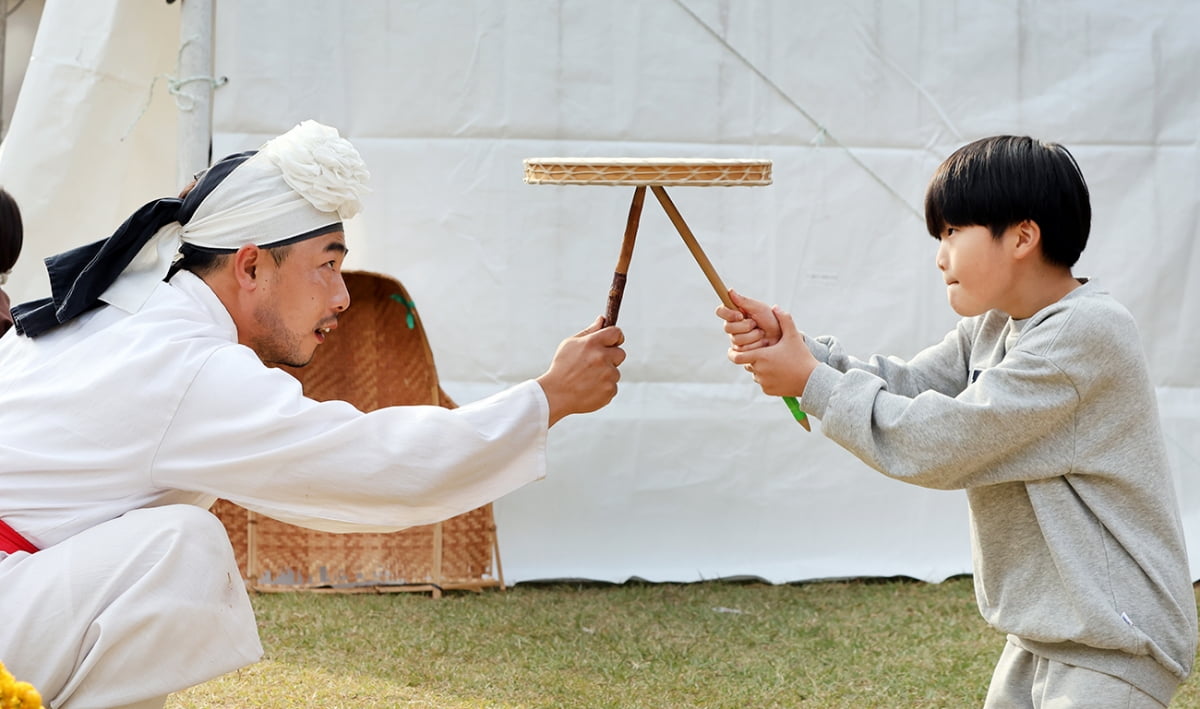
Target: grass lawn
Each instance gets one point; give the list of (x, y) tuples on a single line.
[(894, 643)]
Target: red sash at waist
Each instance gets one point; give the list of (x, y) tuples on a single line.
[(11, 540)]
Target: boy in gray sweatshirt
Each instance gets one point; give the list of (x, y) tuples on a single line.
[(1040, 406)]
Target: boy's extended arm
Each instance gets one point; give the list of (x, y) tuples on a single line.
[(980, 435), (943, 367), (944, 442)]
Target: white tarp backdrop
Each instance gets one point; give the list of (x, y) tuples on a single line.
[(691, 473)]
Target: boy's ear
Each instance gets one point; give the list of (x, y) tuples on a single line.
[(1028, 238)]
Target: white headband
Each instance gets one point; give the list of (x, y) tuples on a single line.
[(302, 182)]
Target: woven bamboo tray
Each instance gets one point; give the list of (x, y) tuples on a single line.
[(697, 172), (379, 357)]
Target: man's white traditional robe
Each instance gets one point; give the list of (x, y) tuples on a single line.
[(113, 413)]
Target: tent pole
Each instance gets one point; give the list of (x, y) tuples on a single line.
[(195, 89)]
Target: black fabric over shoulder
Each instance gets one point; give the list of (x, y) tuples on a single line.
[(80, 276)]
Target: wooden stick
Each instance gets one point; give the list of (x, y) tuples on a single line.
[(693, 246), (717, 284), (619, 275)]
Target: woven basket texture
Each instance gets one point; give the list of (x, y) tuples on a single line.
[(379, 356), (646, 171)]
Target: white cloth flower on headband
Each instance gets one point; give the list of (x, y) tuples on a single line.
[(321, 166)]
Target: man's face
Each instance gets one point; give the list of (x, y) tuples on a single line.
[(299, 300), (976, 269)]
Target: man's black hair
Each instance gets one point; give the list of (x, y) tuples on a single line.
[(1001, 181), (203, 261)]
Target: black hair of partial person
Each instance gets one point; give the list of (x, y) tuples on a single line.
[(1001, 181), (12, 232)]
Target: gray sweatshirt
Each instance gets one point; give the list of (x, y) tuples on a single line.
[(1051, 426)]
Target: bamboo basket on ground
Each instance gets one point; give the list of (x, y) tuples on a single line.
[(379, 357)]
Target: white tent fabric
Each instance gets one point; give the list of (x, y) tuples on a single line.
[(92, 135), (691, 473)]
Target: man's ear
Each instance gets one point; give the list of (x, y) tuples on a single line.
[(245, 266), (1028, 239)]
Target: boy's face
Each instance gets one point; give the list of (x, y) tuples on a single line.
[(976, 268)]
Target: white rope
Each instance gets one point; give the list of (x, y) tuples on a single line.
[(174, 88)]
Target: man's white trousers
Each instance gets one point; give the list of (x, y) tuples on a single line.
[(127, 612)]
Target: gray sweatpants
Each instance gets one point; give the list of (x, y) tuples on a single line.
[(1023, 680)]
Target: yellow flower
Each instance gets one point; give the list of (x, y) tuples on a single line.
[(17, 695)]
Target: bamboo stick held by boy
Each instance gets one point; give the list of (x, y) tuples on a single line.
[(1040, 406)]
